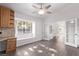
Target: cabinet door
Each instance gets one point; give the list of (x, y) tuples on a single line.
[(5, 16), (11, 21), (0, 16), (11, 45)]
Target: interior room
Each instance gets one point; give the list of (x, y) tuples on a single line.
[(39, 29)]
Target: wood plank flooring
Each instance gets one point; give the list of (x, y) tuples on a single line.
[(54, 47)]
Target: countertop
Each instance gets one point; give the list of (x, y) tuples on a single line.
[(5, 38)]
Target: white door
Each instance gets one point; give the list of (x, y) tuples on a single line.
[(70, 33)]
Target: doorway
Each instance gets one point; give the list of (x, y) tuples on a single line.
[(70, 33)]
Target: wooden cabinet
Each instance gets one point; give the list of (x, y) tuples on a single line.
[(11, 45), (6, 17)]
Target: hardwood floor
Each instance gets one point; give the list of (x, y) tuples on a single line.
[(54, 47)]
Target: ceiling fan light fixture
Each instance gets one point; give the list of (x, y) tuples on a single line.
[(42, 9), (41, 12)]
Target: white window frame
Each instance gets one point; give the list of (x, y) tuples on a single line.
[(27, 35)]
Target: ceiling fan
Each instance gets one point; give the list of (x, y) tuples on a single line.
[(41, 8)]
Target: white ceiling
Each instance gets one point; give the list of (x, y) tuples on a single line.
[(27, 9)]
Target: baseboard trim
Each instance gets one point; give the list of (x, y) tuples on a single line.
[(73, 45), (29, 43)]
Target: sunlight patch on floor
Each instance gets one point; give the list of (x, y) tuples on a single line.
[(35, 47), (40, 51), (42, 45), (26, 53), (31, 49), (50, 49), (53, 50)]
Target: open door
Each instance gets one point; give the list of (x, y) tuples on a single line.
[(70, 33)]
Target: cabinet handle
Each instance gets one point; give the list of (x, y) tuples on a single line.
[(11, 23), (11, 19)]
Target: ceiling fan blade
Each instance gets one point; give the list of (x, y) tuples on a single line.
[(47, 7), (49, 12), (35, 7)]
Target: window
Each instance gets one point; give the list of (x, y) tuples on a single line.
[(25, 29)]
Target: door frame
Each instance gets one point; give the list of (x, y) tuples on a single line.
[(67, 43)]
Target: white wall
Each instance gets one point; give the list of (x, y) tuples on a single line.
[(68, 13), (72, 11), (58, 29), (38, 29)]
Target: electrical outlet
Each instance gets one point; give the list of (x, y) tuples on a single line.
[(0, 32)]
